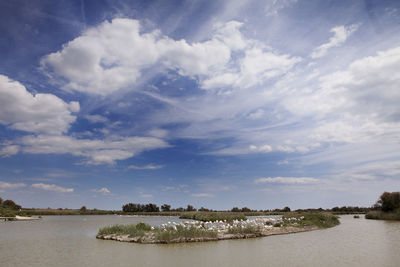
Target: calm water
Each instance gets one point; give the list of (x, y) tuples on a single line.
[(70, 241)]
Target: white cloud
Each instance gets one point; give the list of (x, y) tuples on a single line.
[(287, 180), (9, 150), (103, 190), (341, 33), (262, 149), (146, 167), (5, 185), (257, 66), (202, 195), (114, 54), (40, 113), (52, 187), (282, 162), (96, 118), (105, 151)]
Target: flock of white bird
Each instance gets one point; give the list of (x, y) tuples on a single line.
[(224, 226)]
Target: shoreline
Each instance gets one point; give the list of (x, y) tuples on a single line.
[(150, 239), (18, 218)]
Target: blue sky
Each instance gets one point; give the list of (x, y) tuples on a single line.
[(217, 104)]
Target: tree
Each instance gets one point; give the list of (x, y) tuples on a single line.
[(389, 201), (235, 209), (165, 207), (286, 209), (83, 209), (9, 204), (1, 201), (132, 207), (246, 209), (203, 209), (190, 208)]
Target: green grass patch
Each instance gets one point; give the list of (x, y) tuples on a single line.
[(132, 230), (213, 216), (7, 212), (320, 220), (380, 215), (245, 230)]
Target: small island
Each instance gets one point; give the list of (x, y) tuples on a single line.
[(10, 211), (229, 228)]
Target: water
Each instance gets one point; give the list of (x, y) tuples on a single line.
[(70, 241)]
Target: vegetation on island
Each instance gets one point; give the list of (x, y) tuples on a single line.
[(195, 231), (386, 208)]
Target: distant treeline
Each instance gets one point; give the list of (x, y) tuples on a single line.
[(140, 208)]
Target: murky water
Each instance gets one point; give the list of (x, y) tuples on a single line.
[(70, 241)]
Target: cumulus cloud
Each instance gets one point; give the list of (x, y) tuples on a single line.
[(105, 151), (287, 180), (103, 190), (39, 113), (5, 185), (114, 54), (146, 167), (340, 35), (52, 187)]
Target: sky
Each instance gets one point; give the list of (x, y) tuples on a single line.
[(216, 104)]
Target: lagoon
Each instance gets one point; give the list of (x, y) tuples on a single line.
[(70, 241)]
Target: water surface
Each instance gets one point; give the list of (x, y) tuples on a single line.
[(70, 241)]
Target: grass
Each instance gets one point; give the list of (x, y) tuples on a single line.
[(7, 212), (380, 215), (182, 232), (165, 235), (321, 220), (245, 230), (132, 230), (213, 216)]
